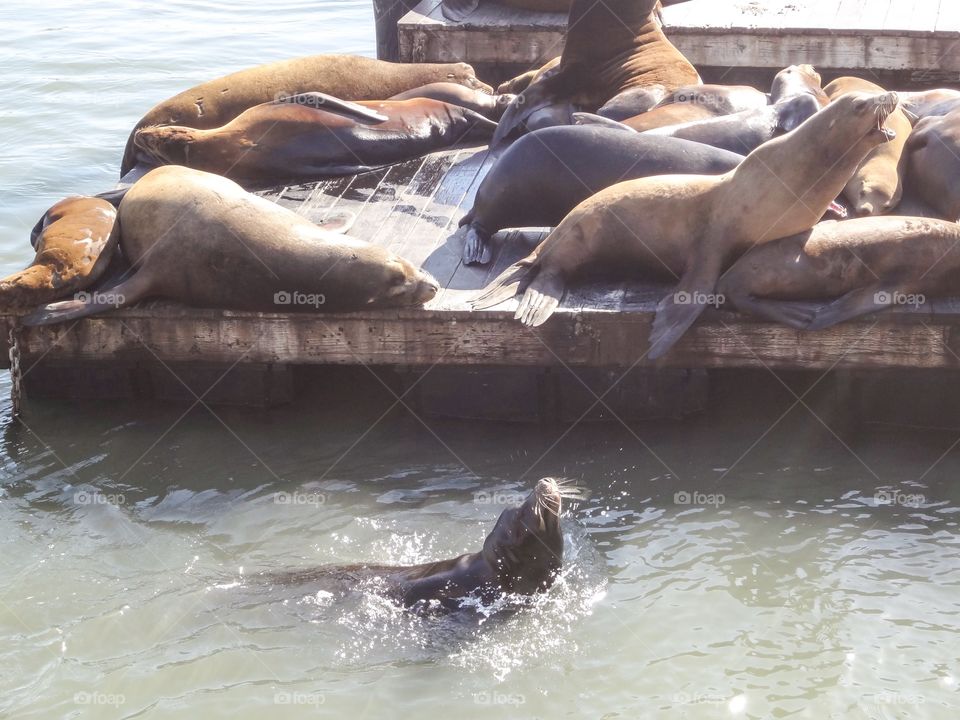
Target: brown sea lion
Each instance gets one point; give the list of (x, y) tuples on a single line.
[(798, 80), (76, 241), (202, 240), (877, 186), (521, 556), (698, 102), (692, 226), (349, 77), (929, 103), (544, 175), (521, 82), (862, 265), (611, 47), (490, 106), (933, 157), (299, 139)]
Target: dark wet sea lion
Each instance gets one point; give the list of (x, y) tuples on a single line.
[(76, 241), (929, 103), (544, 175), (611, 47), (521, 82), (698, 102), (490, 106), (862, 266), (745, 131), (631, 103), (349, 77), (282, 141), (877, 186), (933, 157), (522, 555), (692, 227), (202, 240)]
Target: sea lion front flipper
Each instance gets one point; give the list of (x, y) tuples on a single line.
[(476, 246), (458, 10), (91, 302), (329, 103), (541, 298), (338, 222), (681, 308), (585, 118), (856, 303)]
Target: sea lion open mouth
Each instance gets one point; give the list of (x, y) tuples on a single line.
[(885, 107)]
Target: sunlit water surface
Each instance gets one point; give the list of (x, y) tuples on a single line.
[(746, 563)]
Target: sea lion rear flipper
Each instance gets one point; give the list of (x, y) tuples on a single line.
[(856, 303), (795, 314), (681, 308), (511, 281), (329, 103), (457, 10), (91, 302)]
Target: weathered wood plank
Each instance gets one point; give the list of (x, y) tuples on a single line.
[(424, 337)]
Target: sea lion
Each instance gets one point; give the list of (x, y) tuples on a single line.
[(521, 82), (349, 77), (745, 131), (521, 556), (631, 103), (929, 103), (693, 226), (75, 242), (862, 265), (300, 139), (544, 175), (798, 80), (877, 186), (202, 240), (490, 106), (611, 47), (933, 157), (698, 102)]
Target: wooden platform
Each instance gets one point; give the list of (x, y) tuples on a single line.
[(413, 209), (920, 36)]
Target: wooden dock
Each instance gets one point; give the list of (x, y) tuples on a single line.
[(918, 37)]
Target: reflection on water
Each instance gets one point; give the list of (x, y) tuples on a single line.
[(770, 558)]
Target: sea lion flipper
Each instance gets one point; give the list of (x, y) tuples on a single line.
[(792, 313), (458, 10), (541, 298), (680, 309), (585, 118), (476, 247), (511, 281), (329, 103), (856, 303), (90, 302)]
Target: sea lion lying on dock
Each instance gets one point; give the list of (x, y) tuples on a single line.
[(349, 77), (544, 175), (490, 106), (611, 47), (202, 240), (697, 102), (522, 555), (692, 226), (299, 138), (74, 241), (933, 155), (877, 186), (862, 266)]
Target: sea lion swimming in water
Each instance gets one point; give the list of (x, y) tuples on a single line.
[(348, 77), (200, 239), (522, 555), (692, 226), (298, 138)]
